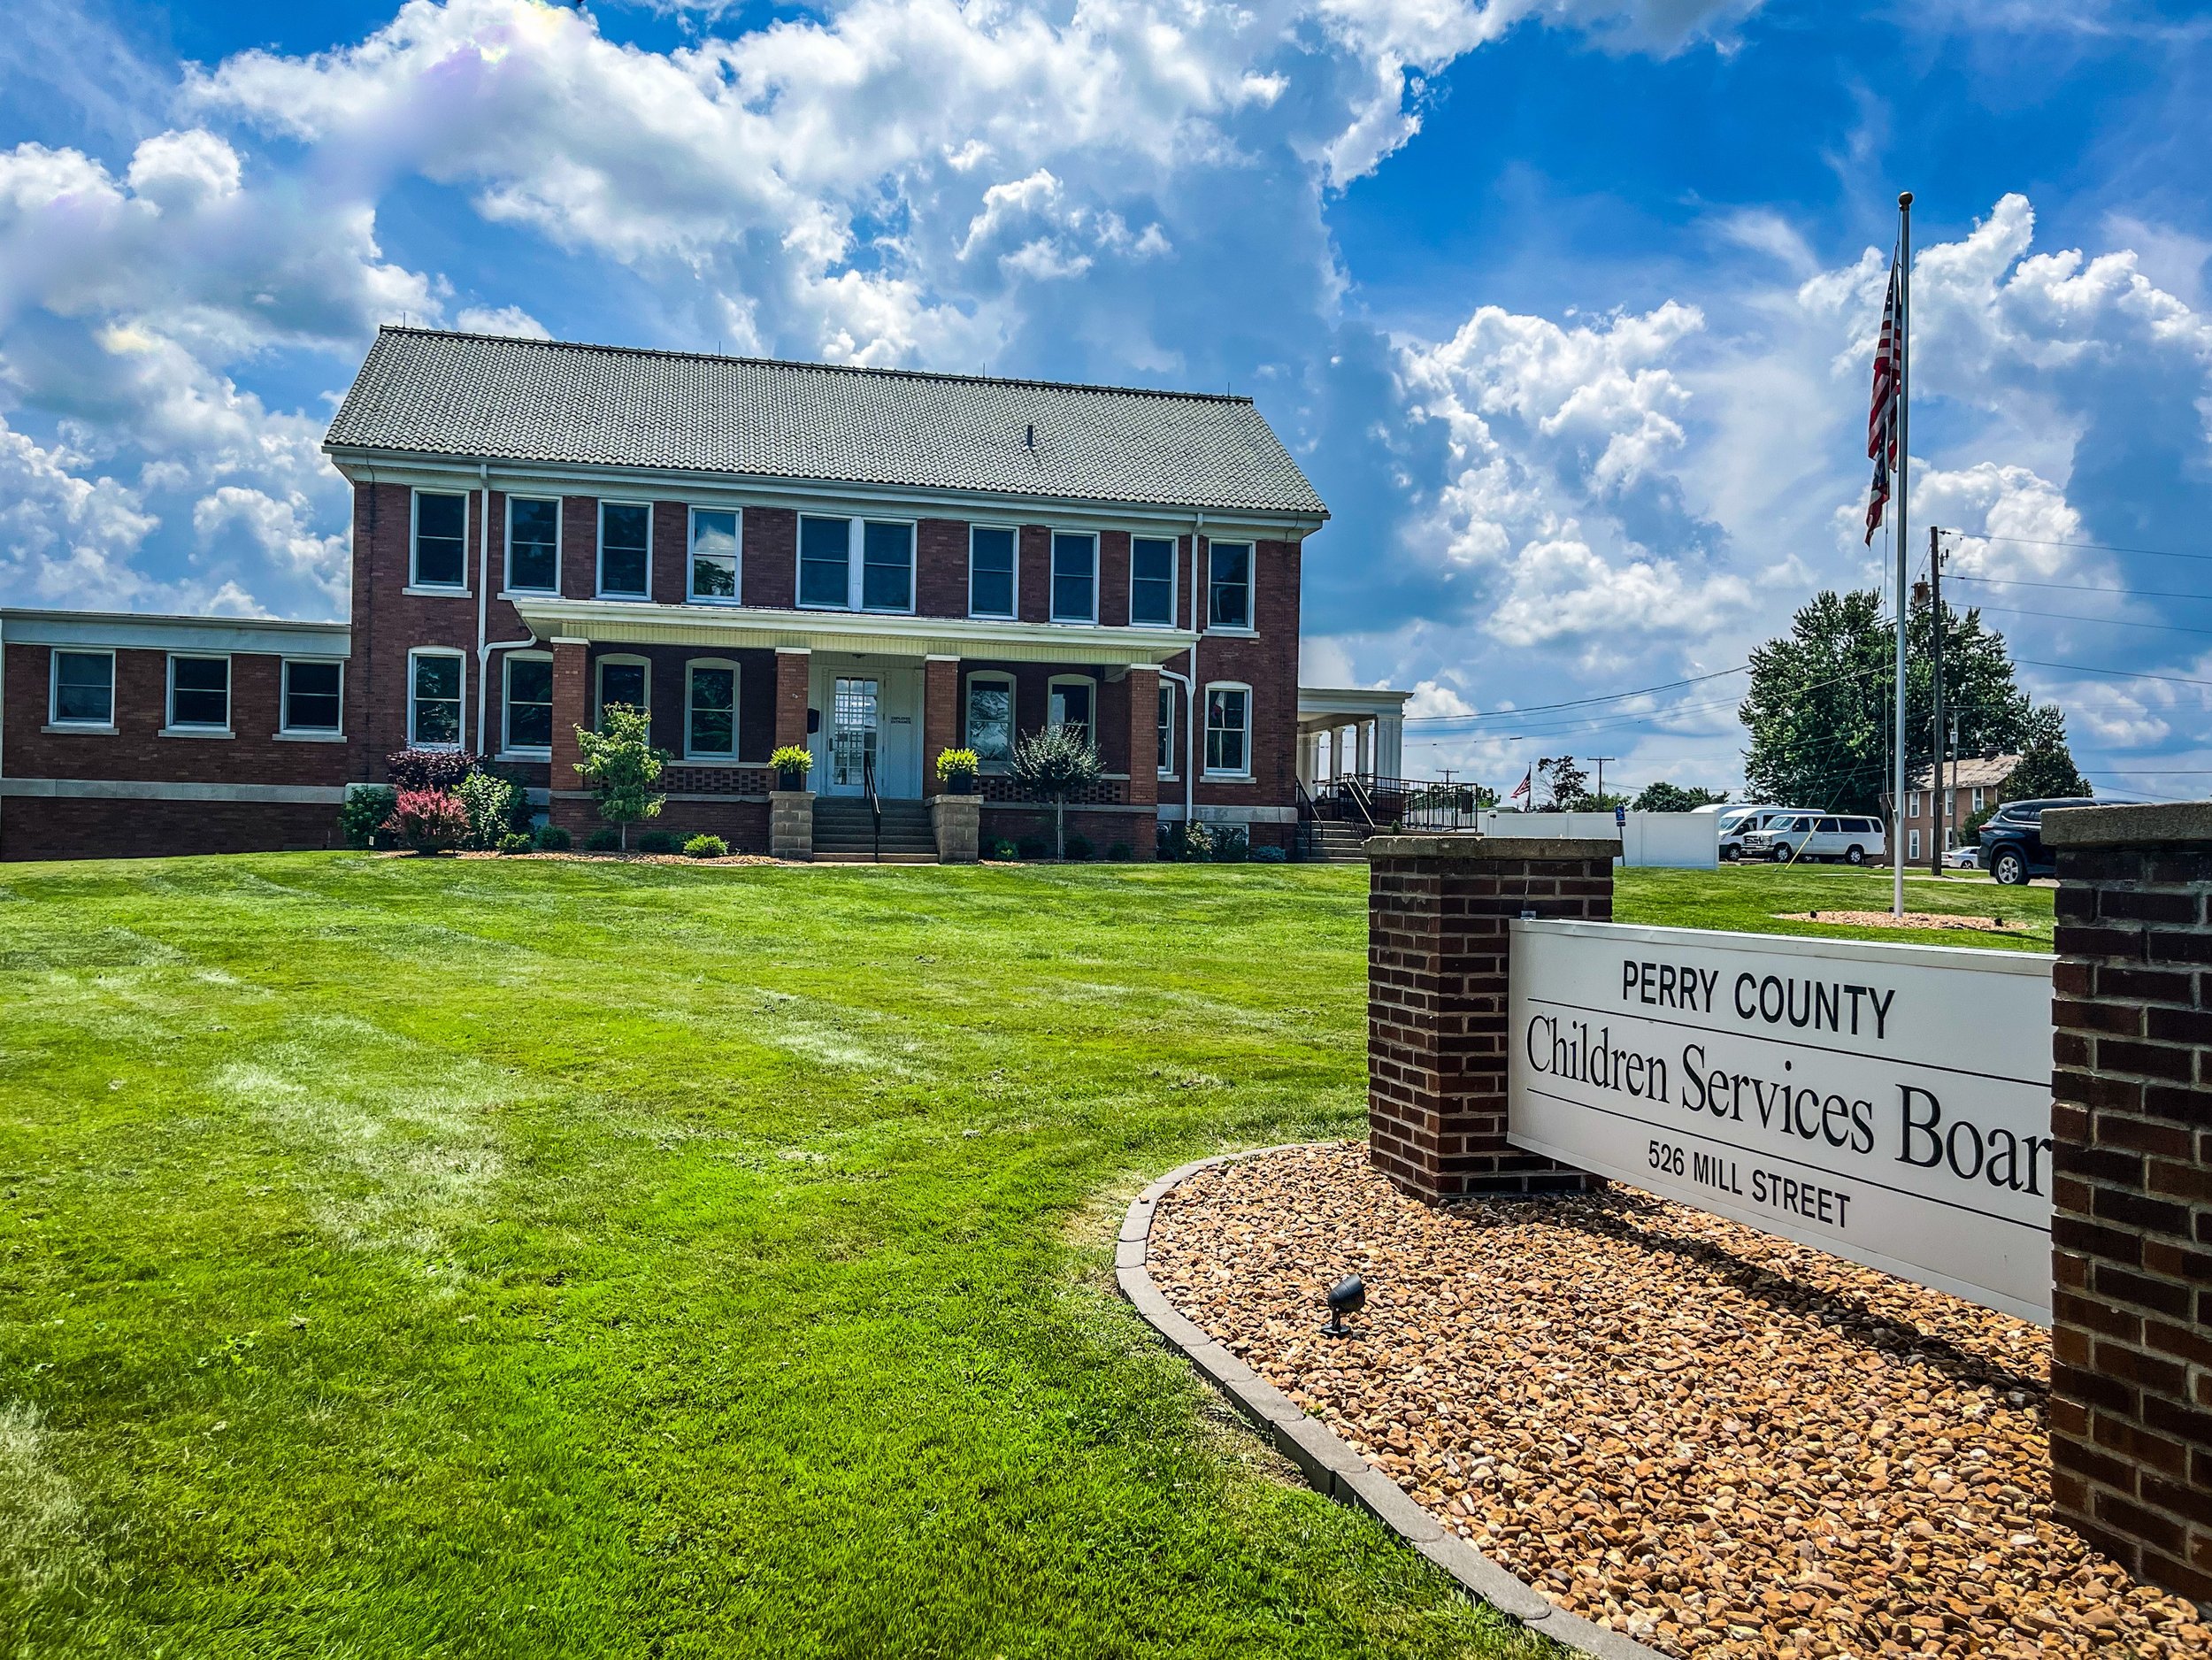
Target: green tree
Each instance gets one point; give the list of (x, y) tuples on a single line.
[(2047, 764), (621, 765), (1566, 786), (1664, 798), (1053, 764), (1820, 707)]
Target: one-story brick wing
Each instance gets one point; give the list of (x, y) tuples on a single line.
[(876, 564)]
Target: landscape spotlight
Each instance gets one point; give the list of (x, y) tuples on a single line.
[(1348, 1296)]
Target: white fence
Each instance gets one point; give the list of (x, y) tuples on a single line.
[(1891, 1103), (1688, 841)]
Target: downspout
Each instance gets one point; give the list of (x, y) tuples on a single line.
[(485, 647)]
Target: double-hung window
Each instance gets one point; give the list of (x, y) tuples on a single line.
[(1167, 729), (886, 568), (991, 553), (441, 553), (623, 681), (825, 562), (199, 694), (625, 543), (1152, 581), (1229, 585), (434, 699), (533, 545), (1229, 730), (991, 718), (1074, 576), (83, 692), (314, 699), (1068, 700), (714, 555), (711, 711), (529, 703)]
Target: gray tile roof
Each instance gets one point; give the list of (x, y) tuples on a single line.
[(430, 392)]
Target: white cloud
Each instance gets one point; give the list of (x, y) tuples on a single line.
[(502, 319)]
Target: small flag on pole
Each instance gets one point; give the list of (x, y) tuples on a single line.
[(1521, 789), (1881, 416)]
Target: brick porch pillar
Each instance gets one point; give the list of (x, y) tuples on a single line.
[(792, 667), (570, 806), (2132, 1223), (1144, 737), (1438, 958), (941, 716)]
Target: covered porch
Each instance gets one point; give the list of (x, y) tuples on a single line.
[(1348, 732)]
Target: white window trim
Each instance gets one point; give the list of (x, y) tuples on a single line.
[(1912, 844), (1978, 801), (461, 740), (308, 734), (992, 677), (599, 681), (54, 722), (737, 695), (527, 751), (691, 544), (1174, 580), (798, 562), (1014, 613), (1052, 578), (1205, 728), (1170, 691), (1251, 588), (1090, 727), (170, 726), (507, 544), (859, 556), (599, 554), (415, 585)]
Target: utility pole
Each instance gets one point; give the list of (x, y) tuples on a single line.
[(1601, 760), (1936, 814)]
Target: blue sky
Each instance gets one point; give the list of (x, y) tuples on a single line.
[(1565, 304)]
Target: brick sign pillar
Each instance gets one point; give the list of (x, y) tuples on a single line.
[(2132, 1231), (569, 802), (1439, 962)]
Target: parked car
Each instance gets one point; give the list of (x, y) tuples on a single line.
[(1796, 836), (1964, 858), (1738, 822), (2012, 840)]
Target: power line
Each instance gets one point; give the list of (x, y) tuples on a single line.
[(2094, 547), (1576, 702), (2108, 622), (2125, 674), (2083, 587)]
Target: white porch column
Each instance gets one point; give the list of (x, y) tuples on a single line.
[(1363, 737), (1390, 745)]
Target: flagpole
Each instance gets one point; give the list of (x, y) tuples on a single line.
[(1904, 497)]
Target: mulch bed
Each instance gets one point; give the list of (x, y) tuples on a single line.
[(1910, 919), (1718, 1441)]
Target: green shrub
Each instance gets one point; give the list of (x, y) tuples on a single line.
[(792, 758), (515, 841), (1198, 842), (1001, 849), (489, 802), (1270, 855), (1033, 848), (1232, 844), (1079, 848), (551, 838), (953, 763), (1121, 853), (656, 841), (704, 847), (363, 812), (606, 840)]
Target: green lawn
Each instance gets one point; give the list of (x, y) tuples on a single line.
[(408, 1258)]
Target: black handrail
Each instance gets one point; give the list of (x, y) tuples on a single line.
[(875, 805)]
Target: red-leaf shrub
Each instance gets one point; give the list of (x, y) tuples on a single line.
[(428, 769), (427, 820)]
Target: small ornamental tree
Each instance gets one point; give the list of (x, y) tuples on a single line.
[(427, 820), (489, 802), (1052, 766), (622, 767)]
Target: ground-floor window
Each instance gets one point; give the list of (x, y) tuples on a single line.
[(1912, 844), (314, 694), (623, 681), (1167, 729), (711, 711), (434, 699), (1229, 730), (991, 718), (1068, 703), (529, 714)]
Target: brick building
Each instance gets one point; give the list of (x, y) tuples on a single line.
[(876, 564)]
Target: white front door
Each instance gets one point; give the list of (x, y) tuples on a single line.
[(871, 717)]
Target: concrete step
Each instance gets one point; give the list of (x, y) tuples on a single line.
[(889, 857)]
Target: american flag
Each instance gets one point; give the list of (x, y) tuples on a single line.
[(1881, 416), (1521, 789)]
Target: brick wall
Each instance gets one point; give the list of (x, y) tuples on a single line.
[(34, 827), (940, 568), (1439, 956), (770, 558), (2132, 1233)]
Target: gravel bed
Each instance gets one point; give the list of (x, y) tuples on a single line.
[(1910, 919), (1716, 1441)]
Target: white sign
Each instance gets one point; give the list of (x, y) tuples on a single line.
[(1891, 1103)]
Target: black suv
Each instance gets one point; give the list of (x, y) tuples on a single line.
[(2012, 839)]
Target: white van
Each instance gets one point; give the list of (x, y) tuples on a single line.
[(1738, 822), (1795, 836)]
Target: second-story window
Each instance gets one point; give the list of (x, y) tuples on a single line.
[(1074, 576), (990, 571), (1152, 581), (533, 545), (441, 556), (625, 534), (1229, 585), (824, 561), (887, 571), (714, 554)]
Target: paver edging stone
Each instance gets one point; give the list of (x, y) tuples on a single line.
[(1330, 1464)]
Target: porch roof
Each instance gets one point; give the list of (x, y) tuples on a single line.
[(731, 627)]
